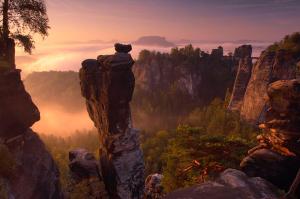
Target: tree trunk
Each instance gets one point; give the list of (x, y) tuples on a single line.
[(5, 20)]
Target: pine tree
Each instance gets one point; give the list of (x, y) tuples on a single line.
[(21, 19)]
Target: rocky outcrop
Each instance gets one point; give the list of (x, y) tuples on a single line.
[(194, 74), (231, 184), (35, 174), (244, 55), (107, 84), (85, 175), (270, 67), (153, 187), (17, 112), (276, 158)]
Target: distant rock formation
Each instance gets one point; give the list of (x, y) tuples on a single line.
[(153, 41), (35, 175), (270, 67), (193, 73), (244, 55), (85, 174), (107, 84), (276, 158), (231, 184)]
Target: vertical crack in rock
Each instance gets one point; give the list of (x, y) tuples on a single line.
[(108, 84), (244, 54)]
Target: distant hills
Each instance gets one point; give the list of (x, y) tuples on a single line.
[(154, 41)]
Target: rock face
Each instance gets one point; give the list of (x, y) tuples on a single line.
[(83, 164), (107, 84), (153, 187), (270, 67), (276, 158), (244, 54), (197, 75), (36, 175), (85, 175), (17, 112), (231, 184)]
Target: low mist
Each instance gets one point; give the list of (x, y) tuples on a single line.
[(57, 121)]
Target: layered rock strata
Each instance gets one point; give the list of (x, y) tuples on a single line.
[(107, 84), (276, 158)]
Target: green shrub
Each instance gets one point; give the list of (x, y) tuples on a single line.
[(290, 43)]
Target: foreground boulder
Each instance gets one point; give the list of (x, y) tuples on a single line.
[(107, 84), (230, 185), (276, 158), (153, 187), (86, 179), (35, 174)]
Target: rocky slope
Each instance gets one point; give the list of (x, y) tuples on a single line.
[(107, 84), (232, 184), (35, 174), (276, 158)]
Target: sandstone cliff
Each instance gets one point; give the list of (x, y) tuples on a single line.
[(35, 174), (270, 67), (107, 84), (244, 55)]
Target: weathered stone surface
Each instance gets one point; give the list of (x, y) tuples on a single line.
[(232, 184), (244, 54), (153, 187), (36, 175), (17, 112), (86, 179), (277, 160), (274, 167), (108, 84), (269, 68), (83, 164)]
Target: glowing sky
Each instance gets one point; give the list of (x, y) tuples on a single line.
[(78, 24)]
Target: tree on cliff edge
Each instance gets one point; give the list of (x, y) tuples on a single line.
[(21, 19)]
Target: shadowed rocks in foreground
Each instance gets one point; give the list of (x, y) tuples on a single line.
[(86, 179), (107, 84), (276, 158), (232, 184), (35, 174)]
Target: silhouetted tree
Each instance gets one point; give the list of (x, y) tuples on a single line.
[(21, 19)]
